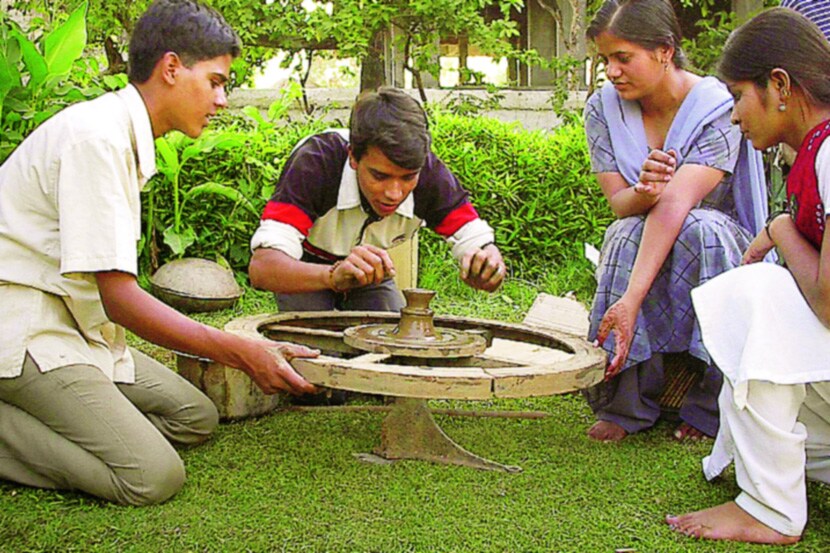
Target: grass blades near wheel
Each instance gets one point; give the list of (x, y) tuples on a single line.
[(289, 481)]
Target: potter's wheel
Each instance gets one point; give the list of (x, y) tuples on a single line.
[(415, 334), (416, 356)]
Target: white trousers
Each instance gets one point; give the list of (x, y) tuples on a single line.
[(778, 440)]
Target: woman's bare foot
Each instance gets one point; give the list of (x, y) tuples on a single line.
[(606, 431), (727, 522), (686, 431)]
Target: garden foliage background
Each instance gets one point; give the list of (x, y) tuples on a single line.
[(535, 188)]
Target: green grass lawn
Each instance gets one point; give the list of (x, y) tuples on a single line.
[(289, 481)]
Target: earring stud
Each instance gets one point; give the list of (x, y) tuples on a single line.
[(782, 107)]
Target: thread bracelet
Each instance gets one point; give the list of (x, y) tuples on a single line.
[(332, 283)]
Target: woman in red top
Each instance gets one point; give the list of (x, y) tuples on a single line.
[(767, 327)]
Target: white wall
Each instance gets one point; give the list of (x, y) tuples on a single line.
[(531, 108)]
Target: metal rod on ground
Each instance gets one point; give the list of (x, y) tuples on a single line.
[(450, 412)]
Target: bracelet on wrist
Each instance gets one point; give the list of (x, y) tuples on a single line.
[(332, 283), (775, 214), (770, 219)]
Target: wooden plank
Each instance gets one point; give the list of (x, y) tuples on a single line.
[(397, 380), (475, 413), (583, 369), (524, 361), (523, 353), (370, 358), (520, 384), (563, 314)]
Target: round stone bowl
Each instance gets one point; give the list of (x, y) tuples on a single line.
[(195, 285)]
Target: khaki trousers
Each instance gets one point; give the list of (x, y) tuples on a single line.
[(72, 428)]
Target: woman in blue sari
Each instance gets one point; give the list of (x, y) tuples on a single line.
[(688, 193)]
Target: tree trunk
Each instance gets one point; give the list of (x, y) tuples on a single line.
[(463, 53), (115, 61), (372, 74)]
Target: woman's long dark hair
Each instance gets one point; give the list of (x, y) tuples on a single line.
[(646, 23), (779, 38)]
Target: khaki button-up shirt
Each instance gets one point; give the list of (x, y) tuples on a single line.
[(70, 207)]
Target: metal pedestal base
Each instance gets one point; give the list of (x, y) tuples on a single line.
[(410, 432)]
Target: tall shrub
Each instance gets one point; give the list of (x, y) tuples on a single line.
[(209, 193), (535, 188)]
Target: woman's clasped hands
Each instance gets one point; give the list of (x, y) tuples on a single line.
[(657, 170)]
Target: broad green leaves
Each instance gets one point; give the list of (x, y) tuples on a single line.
[(10, 56), (209, 194), (180, 235), (32, 75), (179, 241), (66, 43)]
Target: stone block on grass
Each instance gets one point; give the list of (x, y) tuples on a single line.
[(232, 391)]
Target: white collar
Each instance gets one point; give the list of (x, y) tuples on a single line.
[(142, 131)]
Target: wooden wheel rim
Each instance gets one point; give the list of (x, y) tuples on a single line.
[(371, 373)]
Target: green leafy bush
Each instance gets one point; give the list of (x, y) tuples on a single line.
[(41, 76), (209, 193), (535, 188)]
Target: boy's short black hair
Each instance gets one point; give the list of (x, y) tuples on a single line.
[(394, 122), (193, 31)]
